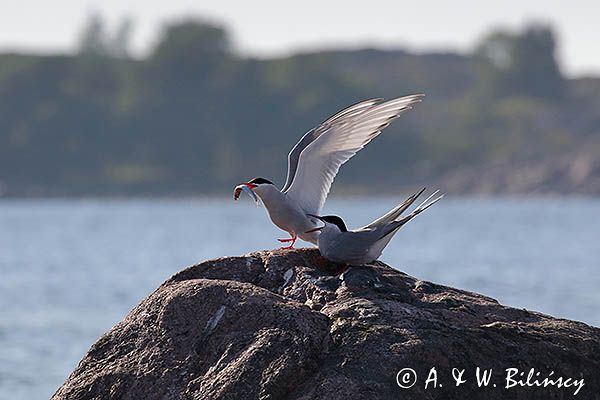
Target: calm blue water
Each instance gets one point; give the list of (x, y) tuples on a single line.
[(72, 269)]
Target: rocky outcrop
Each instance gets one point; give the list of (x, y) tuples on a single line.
[(278, 325)]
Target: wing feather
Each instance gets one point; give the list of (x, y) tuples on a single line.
[(320, 160), (317, 131)]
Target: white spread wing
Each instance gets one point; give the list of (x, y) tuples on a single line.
[(317, 131), (320, 161)]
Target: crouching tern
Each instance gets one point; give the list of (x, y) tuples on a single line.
[(315, 160), (364, 245)]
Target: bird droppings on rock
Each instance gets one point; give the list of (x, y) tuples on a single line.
[(212, 323), (287, 276), (248, 328)]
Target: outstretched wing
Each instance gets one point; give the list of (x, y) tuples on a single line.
[(320, 161), (317, 131)]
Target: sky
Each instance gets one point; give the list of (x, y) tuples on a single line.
[(275, 27)]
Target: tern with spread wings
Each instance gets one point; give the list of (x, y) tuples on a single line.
[(315, 160), (364, 245)]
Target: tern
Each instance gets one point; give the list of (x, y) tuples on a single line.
[(364, 245), (315, 160)]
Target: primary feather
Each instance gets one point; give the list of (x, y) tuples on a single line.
[(317, 131), (337, 140)]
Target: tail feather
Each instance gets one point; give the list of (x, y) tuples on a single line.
[(396, 211), (397, 224), (427, 199)]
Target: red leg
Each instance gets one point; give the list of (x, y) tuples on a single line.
[(292, 240)]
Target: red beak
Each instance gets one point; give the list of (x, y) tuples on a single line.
[(238, 190)]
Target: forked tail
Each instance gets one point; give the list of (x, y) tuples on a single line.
[(396, 224)]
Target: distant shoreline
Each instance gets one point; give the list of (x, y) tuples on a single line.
[(338, 197)]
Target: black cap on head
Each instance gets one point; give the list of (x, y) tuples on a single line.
[(334, 219), (258, 181)]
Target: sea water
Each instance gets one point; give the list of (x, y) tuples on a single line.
[(71, 269)]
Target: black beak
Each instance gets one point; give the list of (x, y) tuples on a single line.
[(318, 228), (315, 229)]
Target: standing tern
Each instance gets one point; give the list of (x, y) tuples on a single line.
[(364, 245), (315, 160)]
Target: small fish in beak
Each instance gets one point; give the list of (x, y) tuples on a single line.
[(246, 188)]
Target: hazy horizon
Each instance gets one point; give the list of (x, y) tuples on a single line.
[(270, 29)]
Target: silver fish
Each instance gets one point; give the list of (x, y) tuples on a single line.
[(244, 188)]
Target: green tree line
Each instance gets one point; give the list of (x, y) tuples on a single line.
[(194, 117)]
